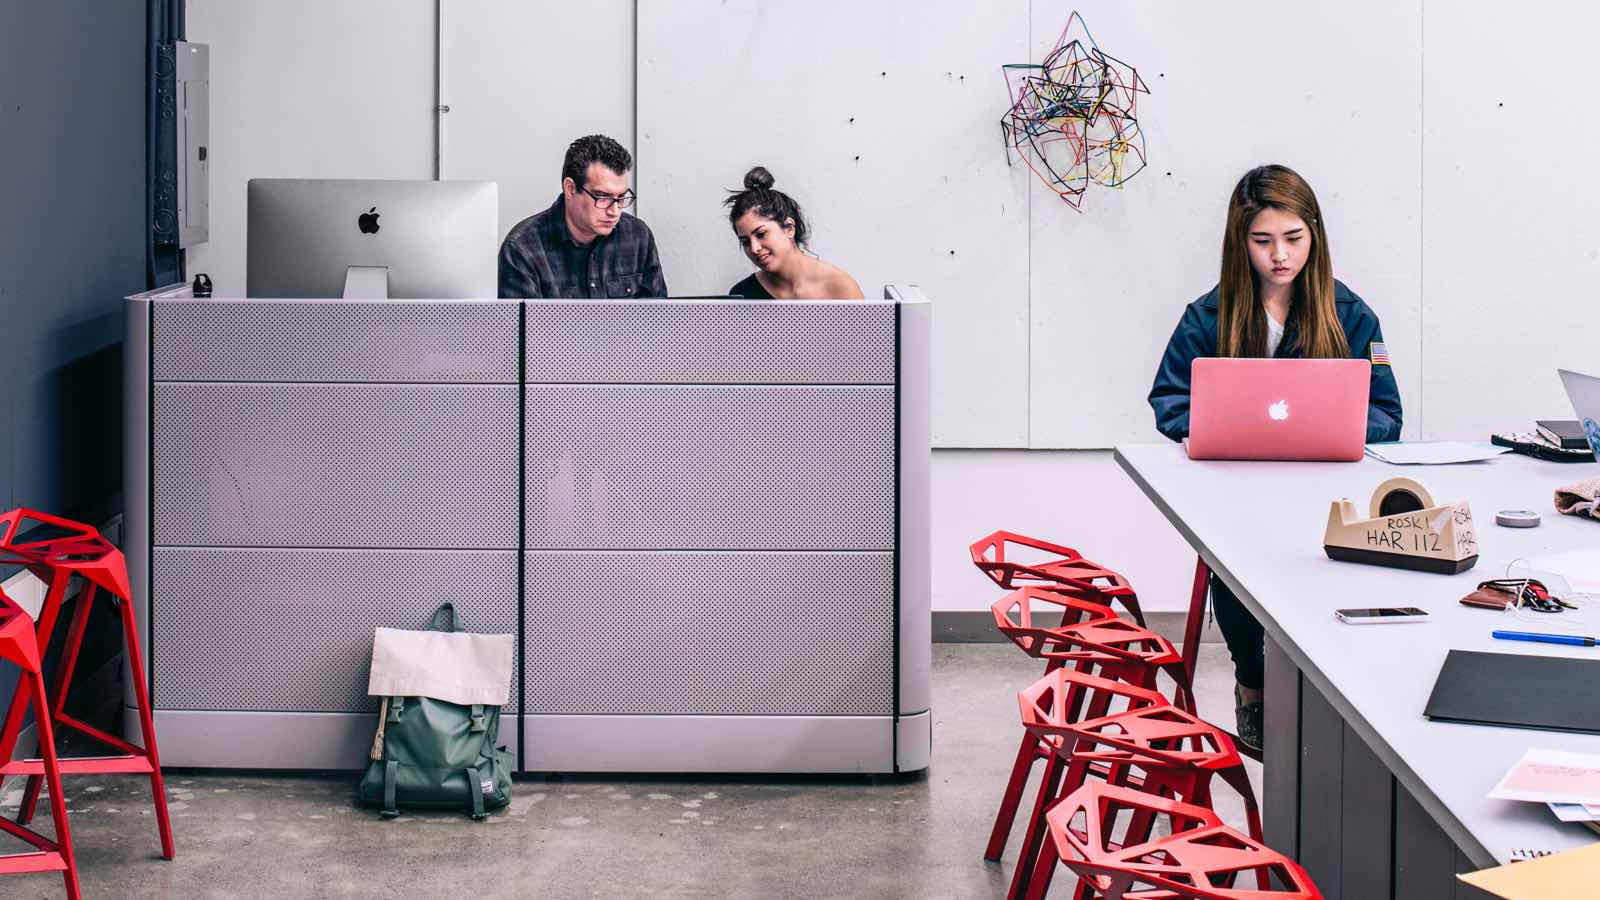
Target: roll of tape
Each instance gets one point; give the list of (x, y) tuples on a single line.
[(1399, 495), (1517, 518)]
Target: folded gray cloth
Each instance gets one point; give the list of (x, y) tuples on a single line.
[(1581, 499)]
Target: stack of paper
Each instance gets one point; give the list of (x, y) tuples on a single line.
[(1568, 782), (1587, 813)]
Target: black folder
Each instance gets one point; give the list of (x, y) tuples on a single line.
[(1553, 693)]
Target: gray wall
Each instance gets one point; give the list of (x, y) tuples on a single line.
[(72, 243)]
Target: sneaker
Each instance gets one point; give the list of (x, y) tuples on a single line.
[(1248, 718)]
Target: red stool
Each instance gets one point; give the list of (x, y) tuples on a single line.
[(1094, 642), (1015, 616), (17, 645), (1124, 650), (1199, 859), (1177, 751), (1047, 706), (81, 551), (1088, 632), (1066, 567)]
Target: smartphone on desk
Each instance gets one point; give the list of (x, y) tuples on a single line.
[(1378, 615)]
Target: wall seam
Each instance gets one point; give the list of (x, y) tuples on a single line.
[(1422, 214), (1028, 381), (638, 139), (439, 107)]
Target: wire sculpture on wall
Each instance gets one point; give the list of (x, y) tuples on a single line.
[(1073, 118)]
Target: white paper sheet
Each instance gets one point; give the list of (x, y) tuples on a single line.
[(1552, 776), (1434, 453)]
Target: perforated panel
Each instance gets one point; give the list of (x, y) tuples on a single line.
[(709, 633), (312, 340), (724, 467), (286, 465), (277, 630), (711, 343)]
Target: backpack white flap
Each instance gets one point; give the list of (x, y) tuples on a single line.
[(454, 666)]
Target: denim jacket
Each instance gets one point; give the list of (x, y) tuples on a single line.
[(1196, 336)]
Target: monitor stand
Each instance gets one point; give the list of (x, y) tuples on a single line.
[(366, 283)]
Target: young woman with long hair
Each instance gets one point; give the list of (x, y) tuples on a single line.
[(1276, 297)]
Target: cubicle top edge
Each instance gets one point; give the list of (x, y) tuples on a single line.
[(183, 293)]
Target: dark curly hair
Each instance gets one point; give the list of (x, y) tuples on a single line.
[(594, 148), (758, 196)]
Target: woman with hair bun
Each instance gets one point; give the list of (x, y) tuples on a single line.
[(773, 235)]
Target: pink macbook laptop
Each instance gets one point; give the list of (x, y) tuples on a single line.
[(1310, 409)]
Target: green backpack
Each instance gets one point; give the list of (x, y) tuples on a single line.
[(431, 753)]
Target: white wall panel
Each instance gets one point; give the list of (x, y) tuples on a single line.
[(522, 80), (882, 119), (304, 89), (1048, 321), (1334, 94), (1080, 498), (1511, 256)]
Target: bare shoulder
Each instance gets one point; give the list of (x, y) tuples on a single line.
[(839, 283)]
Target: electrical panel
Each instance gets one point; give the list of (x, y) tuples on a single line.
[(194, 137)]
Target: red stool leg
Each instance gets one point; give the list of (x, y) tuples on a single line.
[(19, 646), (147, 726), (1027, 754), (69, 662), (1197, 617), (52, 774), (1049, 791), (1049, 858)]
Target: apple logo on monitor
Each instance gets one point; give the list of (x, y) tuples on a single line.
[(368, 221), (1279, 411)]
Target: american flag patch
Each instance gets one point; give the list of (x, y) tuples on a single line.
[(1380, 354)]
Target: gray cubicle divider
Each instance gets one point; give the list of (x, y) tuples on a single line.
[(705, 520)]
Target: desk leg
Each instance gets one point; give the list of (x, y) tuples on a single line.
[(1332, 805)]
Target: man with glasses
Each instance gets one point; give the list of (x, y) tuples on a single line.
[(583, 246)]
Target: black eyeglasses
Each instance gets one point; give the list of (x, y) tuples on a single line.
[(606, 201)]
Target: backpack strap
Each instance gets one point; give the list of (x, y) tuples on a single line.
[(376, 753), (475, 791), (389, 809), (444, 618), (478, 725)]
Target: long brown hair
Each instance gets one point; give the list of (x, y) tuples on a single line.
[(1241, 319)]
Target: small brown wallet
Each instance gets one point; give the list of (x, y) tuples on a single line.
[(1489, 598)]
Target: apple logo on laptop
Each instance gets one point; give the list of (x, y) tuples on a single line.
[(368, 221), (1279, 411)]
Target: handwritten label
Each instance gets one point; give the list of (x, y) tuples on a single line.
[(1416, 533)]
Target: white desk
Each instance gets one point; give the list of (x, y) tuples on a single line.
[(1355, 695)]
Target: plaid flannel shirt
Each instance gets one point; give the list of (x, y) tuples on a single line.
[(540, 259)]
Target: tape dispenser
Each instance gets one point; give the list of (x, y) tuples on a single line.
[(1405, 529)]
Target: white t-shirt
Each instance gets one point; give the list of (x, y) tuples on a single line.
[(1274, 335)]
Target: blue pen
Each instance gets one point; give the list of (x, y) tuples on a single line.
[(1573, 639)]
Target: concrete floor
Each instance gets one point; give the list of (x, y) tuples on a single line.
[(648, 836)]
